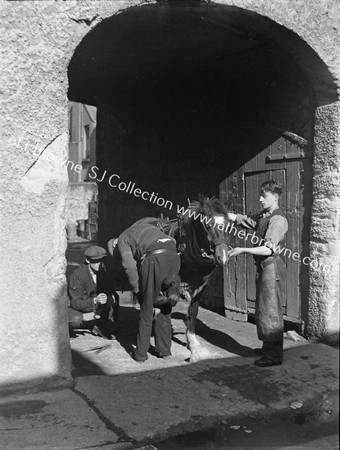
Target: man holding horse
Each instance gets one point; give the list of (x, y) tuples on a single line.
[(271, 226), (152, 264)]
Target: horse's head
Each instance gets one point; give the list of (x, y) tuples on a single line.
[(209, 219)]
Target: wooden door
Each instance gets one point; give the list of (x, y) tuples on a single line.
[(282, 161), (234, 274)]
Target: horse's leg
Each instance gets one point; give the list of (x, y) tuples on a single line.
[(197, 352), (190, 322)]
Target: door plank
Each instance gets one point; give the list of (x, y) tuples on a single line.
[(293, 235), (234, 273)]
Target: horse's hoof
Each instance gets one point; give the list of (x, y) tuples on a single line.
[(194, 358), (199, 354)]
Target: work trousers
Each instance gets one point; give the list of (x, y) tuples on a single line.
[(156, 273), (273, 350)]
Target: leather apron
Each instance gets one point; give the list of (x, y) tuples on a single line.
[(271, 275)]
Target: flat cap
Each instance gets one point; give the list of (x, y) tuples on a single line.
[(95, 252)]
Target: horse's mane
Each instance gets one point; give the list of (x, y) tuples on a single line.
[(209, 206)]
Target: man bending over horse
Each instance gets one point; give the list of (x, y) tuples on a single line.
[(271, 226), (152, 264)]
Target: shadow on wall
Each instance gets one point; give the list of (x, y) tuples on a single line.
[(53, 358)]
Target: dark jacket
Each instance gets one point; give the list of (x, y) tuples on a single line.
[(82, 288), (135, 242)]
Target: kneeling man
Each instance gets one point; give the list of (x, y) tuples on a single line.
[(91, 290)]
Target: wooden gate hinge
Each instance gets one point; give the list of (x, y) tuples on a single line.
[(288, 156)]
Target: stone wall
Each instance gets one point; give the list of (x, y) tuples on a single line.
[(37, 41), (323, 317), (34, 346)]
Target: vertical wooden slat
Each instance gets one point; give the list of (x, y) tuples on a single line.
[(280, 176), (241, 298), (293, 235), (234, 273), (229, 270), (251, 207)]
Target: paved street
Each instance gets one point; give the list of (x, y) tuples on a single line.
[(118, 403)]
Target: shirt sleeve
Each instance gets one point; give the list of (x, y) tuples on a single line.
[(246, 221), (129, 264), (79, 299), (276, 231)]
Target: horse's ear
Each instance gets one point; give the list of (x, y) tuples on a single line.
[(189, 202)]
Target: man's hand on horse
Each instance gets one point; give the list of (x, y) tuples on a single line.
[(235, 251)]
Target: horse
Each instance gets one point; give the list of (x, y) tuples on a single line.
[(200, 234)]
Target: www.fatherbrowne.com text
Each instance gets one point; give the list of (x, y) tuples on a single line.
[(253, 238), (228, 227), (114, 180)]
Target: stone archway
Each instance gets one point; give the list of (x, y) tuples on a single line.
[(39, 42), (186, 94)]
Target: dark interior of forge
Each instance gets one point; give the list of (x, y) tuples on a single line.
[(185, 96)]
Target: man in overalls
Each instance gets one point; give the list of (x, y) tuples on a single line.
[(270, 226), (152, 264)]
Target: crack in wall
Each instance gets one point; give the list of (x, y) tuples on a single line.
[(41, 153)]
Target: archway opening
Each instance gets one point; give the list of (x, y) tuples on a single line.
[(186, 95)]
